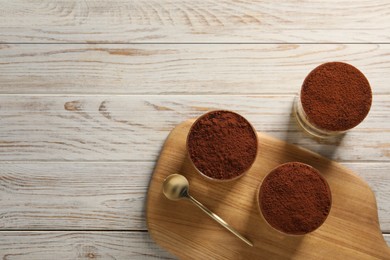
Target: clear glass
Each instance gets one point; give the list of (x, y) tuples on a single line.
[(306, 125), (265, 220), (243, 172)]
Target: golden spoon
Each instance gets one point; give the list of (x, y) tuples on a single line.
[(176, 187)]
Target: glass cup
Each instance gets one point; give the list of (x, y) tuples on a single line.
[(335, 97), (308, 126), (222, 145), (294, 199)]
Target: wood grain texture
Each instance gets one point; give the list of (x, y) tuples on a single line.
[(378, 178), (194, 21), (78, 196), (79, 245), (108, 196), (351, 231), (82, 245), (179, 69), (129, 128)]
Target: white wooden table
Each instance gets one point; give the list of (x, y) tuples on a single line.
[(89, 90)]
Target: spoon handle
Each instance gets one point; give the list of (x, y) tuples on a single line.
[(219, 220)]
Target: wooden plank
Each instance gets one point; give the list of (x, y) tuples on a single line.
[(79, 245), (179, 69), (90, 196), (82, 245), (108, 196), (128, 128), (378, 178), (195, 21)]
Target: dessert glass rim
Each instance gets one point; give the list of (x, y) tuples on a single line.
[(309, 125), (245, 170), (261, 212)]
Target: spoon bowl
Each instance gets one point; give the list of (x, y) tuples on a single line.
[(176, 187)]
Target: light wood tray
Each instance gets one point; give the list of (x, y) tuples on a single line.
[(351, 230)]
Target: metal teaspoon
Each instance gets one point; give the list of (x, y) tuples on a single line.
[(176, 187)]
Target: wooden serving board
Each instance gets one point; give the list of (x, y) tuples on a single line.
[(351, 230)]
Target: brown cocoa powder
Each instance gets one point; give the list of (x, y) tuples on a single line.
[(336, 96), (222, 144), (294, 198)]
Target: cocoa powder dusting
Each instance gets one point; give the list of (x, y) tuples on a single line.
[(336, 96), (222, 145), (294, 198)]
